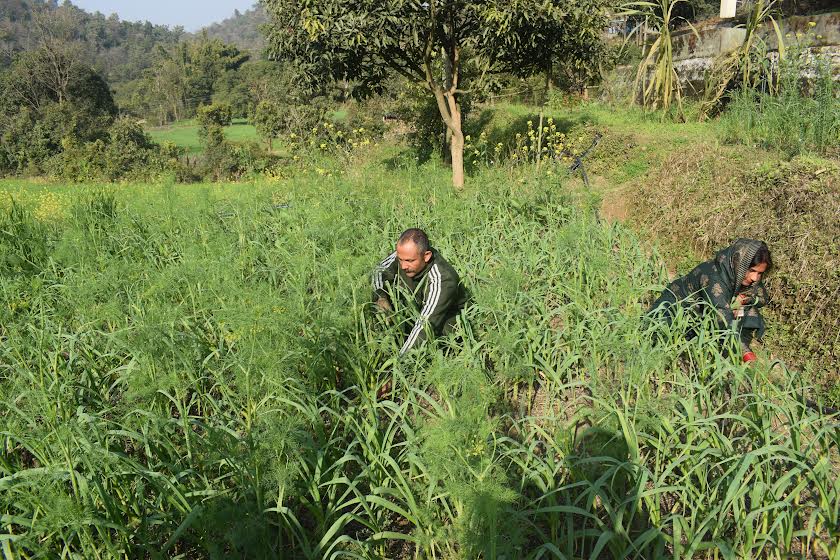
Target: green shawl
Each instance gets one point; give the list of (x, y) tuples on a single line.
[(718, 282)]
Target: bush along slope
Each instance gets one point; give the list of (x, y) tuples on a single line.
[(793, 205), (192, 372)]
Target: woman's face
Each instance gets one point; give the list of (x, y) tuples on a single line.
[(753, 275)]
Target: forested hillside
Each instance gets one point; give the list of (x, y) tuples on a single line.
[(242, 29), (118, 50)]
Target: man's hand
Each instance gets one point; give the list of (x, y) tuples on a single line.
[(382, 304), (383, 392)]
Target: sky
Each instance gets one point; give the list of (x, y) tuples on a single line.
[(191, 14)]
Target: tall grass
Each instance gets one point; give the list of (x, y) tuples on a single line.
[(191, 372), (657, 83), (747, 66), (802, 116)]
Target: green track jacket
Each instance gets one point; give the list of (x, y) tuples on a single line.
[(437, 291)]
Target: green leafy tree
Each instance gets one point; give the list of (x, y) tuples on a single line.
[(269, 121), (280, 104), (211, 120), (242, 29), (209, 61), (580, 57), (39, 113), (187, 75), (252, 83), (168, 83), (221, 159), (57, 55), (564, 41), (445, 46)]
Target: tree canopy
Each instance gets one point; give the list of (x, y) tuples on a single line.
[(447, 46)]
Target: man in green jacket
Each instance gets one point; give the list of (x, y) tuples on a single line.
[(416, 271)]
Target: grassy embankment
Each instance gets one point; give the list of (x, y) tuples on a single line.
[(190, 370)]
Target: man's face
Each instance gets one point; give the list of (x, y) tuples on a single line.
[(753, 275), (412, 261)]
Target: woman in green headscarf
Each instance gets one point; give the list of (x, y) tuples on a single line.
[(731, 284)]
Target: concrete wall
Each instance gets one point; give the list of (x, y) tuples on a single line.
[(694, 55)]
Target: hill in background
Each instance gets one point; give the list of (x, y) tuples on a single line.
[(117, 50), (241, 29)]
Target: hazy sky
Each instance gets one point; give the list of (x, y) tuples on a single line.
[(192, 14)]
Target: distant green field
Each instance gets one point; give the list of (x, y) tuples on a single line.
[(185, 134)]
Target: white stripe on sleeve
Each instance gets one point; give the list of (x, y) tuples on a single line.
[(428, 308), (378, 284)]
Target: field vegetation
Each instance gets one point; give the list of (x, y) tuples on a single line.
[(189, 363), (184, 134), (191, 371)]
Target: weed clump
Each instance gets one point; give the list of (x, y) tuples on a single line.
[(800, 115)]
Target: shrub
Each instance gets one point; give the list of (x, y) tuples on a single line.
[(128, 153), (133, 154), (35, 123), (227, 161), (268, 120), (216, 115), (370, 115)]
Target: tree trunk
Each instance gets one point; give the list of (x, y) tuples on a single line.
[(450, 112), (446, 146), (447, 102), (456, 150), (456, 141), (549, 80)]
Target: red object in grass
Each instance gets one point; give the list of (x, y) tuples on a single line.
[(750, 357)]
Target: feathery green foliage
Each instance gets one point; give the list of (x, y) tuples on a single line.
[(191, 371)]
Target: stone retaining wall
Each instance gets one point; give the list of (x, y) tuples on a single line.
[(695, 54)]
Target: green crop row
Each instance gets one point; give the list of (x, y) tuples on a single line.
[(191, 371)]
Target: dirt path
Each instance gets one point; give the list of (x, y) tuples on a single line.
[(616, 206)]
